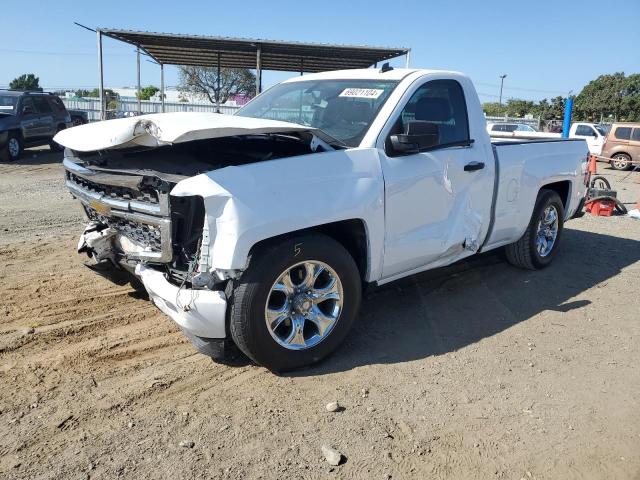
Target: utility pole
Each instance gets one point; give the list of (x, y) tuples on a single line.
[(502, 77)]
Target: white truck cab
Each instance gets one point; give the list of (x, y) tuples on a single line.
[(592, 133), (262, 227)]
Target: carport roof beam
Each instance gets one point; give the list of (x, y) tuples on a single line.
[(199, 50)]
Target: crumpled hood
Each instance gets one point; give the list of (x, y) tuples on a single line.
[(166, 128)]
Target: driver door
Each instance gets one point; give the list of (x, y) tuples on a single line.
[(438, 201)]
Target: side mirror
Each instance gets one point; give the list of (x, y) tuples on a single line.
[(419, 135), (28, 109)]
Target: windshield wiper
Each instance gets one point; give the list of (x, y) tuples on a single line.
[(325, 137)]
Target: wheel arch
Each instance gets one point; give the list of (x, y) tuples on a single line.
[(352, 234), (562, 188), (622, 152), (17, 132)]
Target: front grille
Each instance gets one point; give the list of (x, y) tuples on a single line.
[(114, 192), (146, 235), (149, 236), (143, 217)]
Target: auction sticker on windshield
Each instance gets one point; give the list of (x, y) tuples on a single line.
[(361, 92)]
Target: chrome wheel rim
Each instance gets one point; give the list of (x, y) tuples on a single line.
[(14, 147), (304, 304), (547, 232), (620, 162)]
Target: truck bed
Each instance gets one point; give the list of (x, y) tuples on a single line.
[(524, 166)]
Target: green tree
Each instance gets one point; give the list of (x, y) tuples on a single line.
[(519, 108), (26, 81), (147, 92), (612, 94), (203, 82), (494, 109)]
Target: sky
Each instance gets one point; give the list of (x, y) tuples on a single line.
[(546, 48)]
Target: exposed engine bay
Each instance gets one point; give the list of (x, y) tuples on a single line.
[(133, 219)]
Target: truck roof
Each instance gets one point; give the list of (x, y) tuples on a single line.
[(366, 74)]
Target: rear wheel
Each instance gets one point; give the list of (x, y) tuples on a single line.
[(295, 303), (55, 146), (621, 161), (538, 246)]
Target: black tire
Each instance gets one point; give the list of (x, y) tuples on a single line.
[(601, 183), (54, 146), (221, 350), (621, 162), (14, 147), (251, 292), (523, 253)]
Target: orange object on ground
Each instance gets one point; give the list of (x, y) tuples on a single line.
[(601, 208), (592, 164)]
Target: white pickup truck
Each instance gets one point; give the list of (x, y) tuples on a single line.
[(262, 227), (592, 133)]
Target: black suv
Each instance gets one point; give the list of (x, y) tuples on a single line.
[(30, 119)]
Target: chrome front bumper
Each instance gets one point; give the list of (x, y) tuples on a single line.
[(199, 312)]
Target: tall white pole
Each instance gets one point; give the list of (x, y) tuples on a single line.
[(139, 92), (103, 110)]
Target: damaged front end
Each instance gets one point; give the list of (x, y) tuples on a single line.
[(123, 172), (134, 223)]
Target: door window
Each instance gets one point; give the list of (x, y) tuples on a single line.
[(41, 105), (27, 103), (585, 131), (622, 133), (57, 104), (635, 136), (441, 103)]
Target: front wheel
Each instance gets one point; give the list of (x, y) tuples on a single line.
[(14, 147), (296, 302), (621, 161), (539, 244)]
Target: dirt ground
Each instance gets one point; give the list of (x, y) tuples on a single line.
[(475, 371)]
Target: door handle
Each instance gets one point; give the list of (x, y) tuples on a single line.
[(473, 166)]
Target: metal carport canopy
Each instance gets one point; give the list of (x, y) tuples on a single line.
[(200, 50)]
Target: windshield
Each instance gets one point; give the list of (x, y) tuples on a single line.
[(343, 109), (8, 104)]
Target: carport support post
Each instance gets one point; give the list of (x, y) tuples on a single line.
[(138, 65), (218, 86), (258, 70), (408, 58), (101, 73), (568, 107), (162, 87)]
